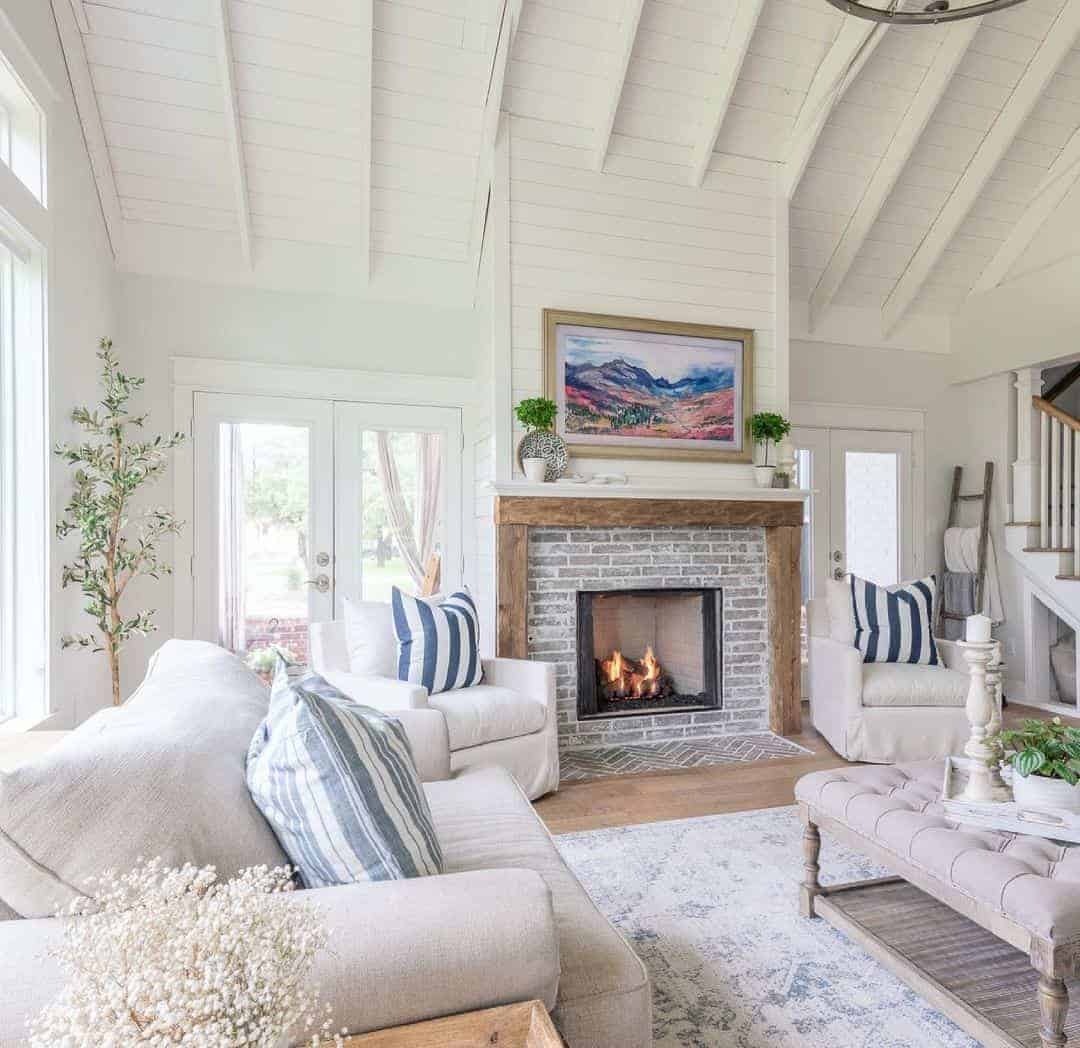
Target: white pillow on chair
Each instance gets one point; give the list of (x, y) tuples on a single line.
[(841, 614), (370, 639)]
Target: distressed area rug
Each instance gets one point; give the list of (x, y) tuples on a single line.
[(598, 761), (711, 907)]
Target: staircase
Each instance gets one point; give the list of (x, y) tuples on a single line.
[(1045, 540)]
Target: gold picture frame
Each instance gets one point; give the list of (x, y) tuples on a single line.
[(734, 348)]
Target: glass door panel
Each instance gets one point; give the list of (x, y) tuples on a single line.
[(872, 515), (264, 523), (398, 484), (870, 520)]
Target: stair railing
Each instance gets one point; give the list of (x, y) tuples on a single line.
[(1059, 477)]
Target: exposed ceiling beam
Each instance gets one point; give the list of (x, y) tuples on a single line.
[(850, 51), (724, 80), (627, 35), (79, 11), (1057, 43), (953, 46), (485, 164), (220, 15), (365, 12), (82, 87), (1054, 187)]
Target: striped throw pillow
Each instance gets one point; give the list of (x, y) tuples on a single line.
[(438, 644), (895, 623), (338, 784)]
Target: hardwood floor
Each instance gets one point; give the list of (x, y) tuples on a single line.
[(625, 800)]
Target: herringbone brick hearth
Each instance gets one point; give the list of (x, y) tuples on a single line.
[(598, 761)]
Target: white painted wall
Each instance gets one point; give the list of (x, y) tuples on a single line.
[(81, 294), (966, 425), (640, 244)]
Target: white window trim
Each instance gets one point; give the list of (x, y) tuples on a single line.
[(24, 484)]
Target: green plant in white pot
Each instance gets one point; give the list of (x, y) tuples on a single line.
[(767, 428), (1045, 759), (540, 443)]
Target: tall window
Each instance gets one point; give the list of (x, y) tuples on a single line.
[(23, 407)]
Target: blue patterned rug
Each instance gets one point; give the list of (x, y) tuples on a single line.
[(711, 907)]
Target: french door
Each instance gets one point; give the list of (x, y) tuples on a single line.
[(299, 503), (859, 518)]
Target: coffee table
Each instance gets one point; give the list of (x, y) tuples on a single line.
[(525, 1025)]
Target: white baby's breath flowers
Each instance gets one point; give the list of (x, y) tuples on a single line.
[(164, 957)]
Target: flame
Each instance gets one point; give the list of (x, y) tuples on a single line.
[(627, 682)]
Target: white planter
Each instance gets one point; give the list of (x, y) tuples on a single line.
[(763, 476), (1036, 791), (535, 469)]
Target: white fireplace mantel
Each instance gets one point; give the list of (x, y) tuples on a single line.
[(648, 491)]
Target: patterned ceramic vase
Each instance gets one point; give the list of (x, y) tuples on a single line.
[(541, 443)]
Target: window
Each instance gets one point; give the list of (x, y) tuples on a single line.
[(22, 132), (24, 579)]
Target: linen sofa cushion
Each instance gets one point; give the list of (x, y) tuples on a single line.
[(895, 623), (338, 783), (162, 775), (438, 644), (903, 684), (485, 713), (370, 639), (485, 823)]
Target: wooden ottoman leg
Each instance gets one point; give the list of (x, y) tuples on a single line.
[(811, 887), (1053, 1007)]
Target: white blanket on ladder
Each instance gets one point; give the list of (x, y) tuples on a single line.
[(962, 554)]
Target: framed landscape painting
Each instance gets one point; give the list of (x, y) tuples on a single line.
[(632, 388)]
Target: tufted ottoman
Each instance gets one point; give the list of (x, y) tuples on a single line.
[(961, 905)]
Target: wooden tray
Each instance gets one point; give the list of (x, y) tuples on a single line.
[(1053, 823), (524, 1025)]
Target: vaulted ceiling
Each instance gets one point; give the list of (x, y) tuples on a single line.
[(919, 162)]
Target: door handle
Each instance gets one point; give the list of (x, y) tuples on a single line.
[(320, 582), (838, 574)]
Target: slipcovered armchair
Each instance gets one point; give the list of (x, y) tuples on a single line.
[(883, 713), (509, 719)]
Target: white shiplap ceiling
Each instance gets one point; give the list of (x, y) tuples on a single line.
[(358, 135)]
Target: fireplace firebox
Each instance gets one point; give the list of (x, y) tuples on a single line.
[(648, 651)]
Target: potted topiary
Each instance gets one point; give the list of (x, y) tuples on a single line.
[(1045, 759), (767, 428), (537, 415)]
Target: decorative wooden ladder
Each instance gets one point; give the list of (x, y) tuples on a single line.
[(956, 497)]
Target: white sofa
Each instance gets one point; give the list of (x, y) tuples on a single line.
[(884, 713), (164, 775), (508, 719)]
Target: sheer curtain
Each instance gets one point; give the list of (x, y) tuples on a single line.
[(415, 539), (231, 549)]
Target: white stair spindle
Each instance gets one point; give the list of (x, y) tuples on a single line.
[(1066, 486), (1055, 484), (1044, 481), (1076, 502)]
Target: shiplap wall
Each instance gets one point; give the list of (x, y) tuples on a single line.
[(637, 241)]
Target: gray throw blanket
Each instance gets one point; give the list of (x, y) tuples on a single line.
[(958, 593)]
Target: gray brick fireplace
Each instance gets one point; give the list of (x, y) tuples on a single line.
[(729, 562)]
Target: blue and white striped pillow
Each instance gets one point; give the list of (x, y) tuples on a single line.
[(438, 644), (338, 784), (895, 623)]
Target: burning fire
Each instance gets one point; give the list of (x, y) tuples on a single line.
[(632, 680)]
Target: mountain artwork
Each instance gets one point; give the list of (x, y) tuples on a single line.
[(649, 388)]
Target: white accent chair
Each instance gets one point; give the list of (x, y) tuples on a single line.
[(882, 713), (508, 719)]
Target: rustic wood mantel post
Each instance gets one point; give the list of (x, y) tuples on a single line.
[(781, 519)]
